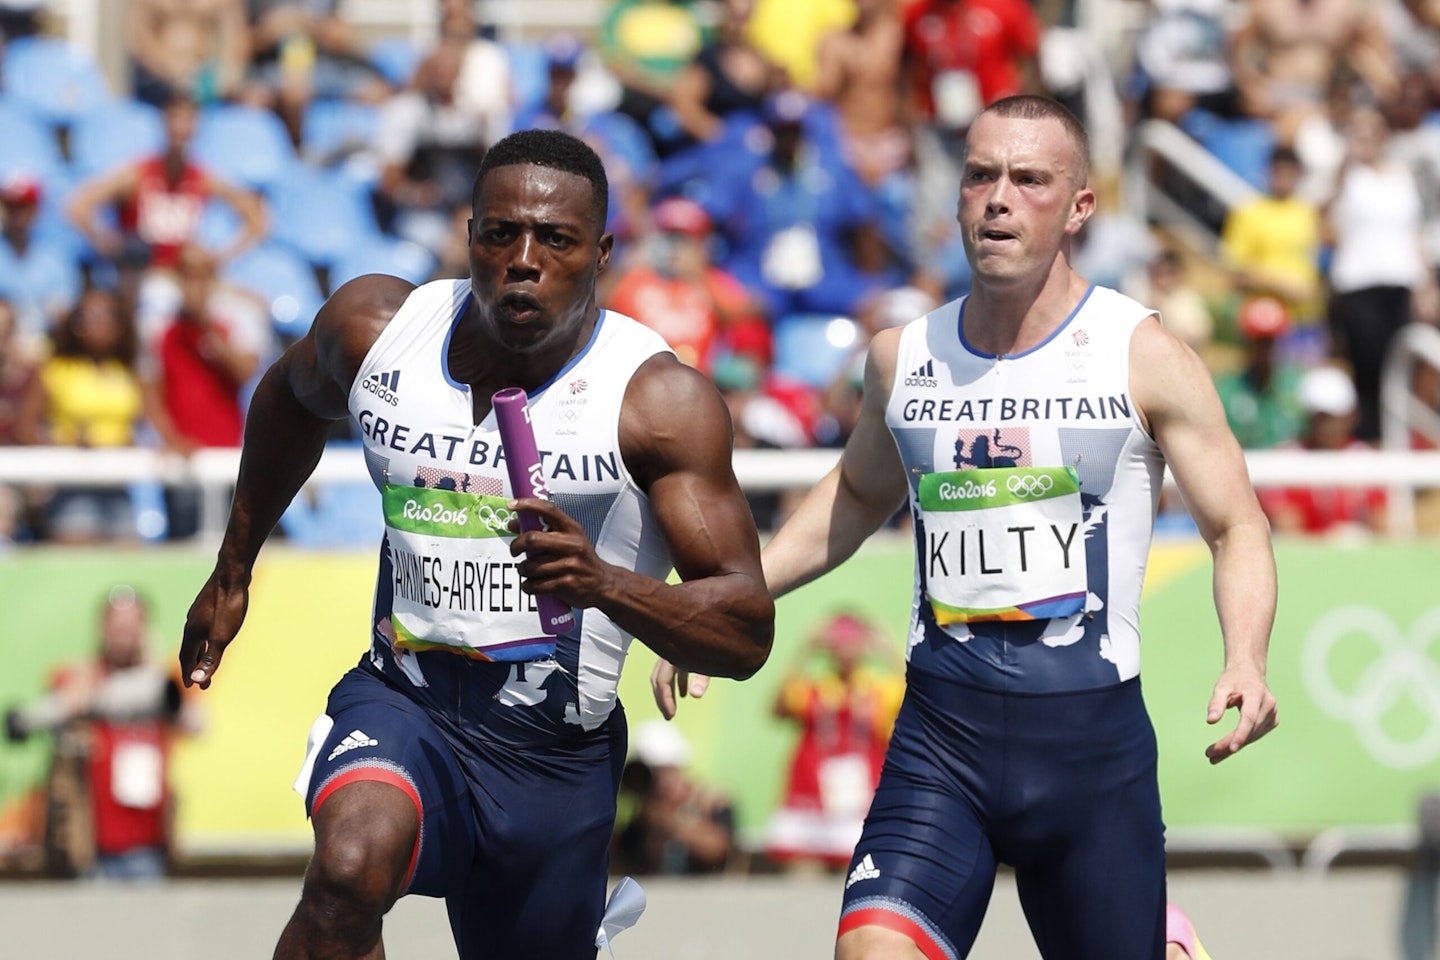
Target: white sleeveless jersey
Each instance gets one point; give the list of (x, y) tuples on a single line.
[(418, 432), (1014, 420)]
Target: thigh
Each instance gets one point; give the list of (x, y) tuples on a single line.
[(923, 867), (537, 890), (380, 735), (1091, 877)]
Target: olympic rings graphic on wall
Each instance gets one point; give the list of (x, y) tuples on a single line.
[(1029, 484), (1404, 666)]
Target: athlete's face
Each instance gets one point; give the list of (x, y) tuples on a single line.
[(1020, 196), (536, 246)]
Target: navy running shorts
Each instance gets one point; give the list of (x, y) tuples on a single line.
[(514, 831), (1060, 786)]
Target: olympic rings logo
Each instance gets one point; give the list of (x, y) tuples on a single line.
[(496, 519), (1402, 665), (1029, 484)]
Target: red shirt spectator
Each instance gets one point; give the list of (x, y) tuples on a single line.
[(963, 55), (162, 211)]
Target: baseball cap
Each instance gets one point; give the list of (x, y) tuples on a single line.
[(1263, 318), (679, 215), (1327, 390), (657, 743), (21, 188)]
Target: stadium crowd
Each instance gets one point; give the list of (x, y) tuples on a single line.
[(784, 175)]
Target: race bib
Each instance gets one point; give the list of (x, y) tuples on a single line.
[(456, 585), (137, 774), (957, 98), (1003, 543), (792, 259)]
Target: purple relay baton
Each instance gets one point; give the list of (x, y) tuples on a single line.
[(522, 459)]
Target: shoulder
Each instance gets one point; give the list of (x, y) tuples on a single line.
[(1166, 376), (350, 322), (665, 387)]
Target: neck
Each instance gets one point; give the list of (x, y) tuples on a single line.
[(487, 364), (1018, 315)]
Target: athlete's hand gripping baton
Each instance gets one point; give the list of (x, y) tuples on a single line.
[(522, 459)]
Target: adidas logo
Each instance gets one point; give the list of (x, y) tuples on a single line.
[(353, 739), (864, 870), (923, 376), (384, 385)]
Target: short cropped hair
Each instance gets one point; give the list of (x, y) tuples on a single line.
[(1031, 107), (1284, 154), (554, 149)]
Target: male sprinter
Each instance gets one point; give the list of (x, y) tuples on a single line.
[(1029, 425), (469, 758)]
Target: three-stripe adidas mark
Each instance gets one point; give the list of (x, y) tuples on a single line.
[(864, 870), (384, 386), (353, 740), (923, 376)]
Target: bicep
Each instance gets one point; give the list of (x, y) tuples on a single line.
[(1174, 391)]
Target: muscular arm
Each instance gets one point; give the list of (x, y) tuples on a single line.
[(1174, 393), (290, 414), (675, 437), (864, 490)]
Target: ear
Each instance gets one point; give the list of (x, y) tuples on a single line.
[(470, 230), (607, 243), (1081, 209)]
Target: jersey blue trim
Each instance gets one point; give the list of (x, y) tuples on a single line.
[(960, 329), (445, 348), (594, 335)]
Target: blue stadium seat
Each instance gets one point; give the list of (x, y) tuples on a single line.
[(246, 145), (53, 79), (529, 74), (333, 129), (285, 282), (26, 145), (320, 216), (382, 254), (1243, 144), (813, 348), (115, 133), (396, 58)]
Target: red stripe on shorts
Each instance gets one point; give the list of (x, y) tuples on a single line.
[(879, 917), (378, 775)]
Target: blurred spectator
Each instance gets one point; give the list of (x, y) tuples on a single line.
[(860, 72), (673, 825), (1379, 276), (1261, 400), (198, 47), (1328, 397), (789, 33), (801, 225), (202, 361), (1183, 60), (483, 86), (1415, 142), (763, 419), (1272, 248), (675, 291), (18, 371), (303, 50), (88, 395), (1288, 51), (207, 352), (159, 202), (109, 808), (646, 43), (1181, 307), (845, 706), (40, 278), (430, 146), (729, 76)]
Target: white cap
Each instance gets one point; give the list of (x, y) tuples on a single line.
[(1328, 390), (658, 743)]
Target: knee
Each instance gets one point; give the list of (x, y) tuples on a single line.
[(876, 943), (361, 865)]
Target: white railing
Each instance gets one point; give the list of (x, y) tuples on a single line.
[(1147, 203), (759, 471)]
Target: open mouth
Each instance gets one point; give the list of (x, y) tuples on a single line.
[(996, 236), (519, 306)]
